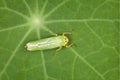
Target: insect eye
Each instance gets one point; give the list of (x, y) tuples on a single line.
[(65, 39)]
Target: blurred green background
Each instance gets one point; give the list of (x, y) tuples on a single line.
[(95, 25)]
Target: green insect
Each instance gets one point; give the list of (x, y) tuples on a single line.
[(58, 41)]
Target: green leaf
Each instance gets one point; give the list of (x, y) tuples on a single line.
[(95, 25)]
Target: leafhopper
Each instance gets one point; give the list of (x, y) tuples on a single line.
[(57, 41)]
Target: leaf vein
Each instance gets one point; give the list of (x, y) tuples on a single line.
[(79, 20), (43, 8), (14, 52), (54, 9), (16, 12), (73, 67), (13, 27), (93, 13), (43, 60), (87, 63), (28, 7)]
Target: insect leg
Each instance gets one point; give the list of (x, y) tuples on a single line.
[(53, 34), (67, 46), (59, 48), (66, 33)]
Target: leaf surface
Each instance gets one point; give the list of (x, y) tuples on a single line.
[(95, 25)]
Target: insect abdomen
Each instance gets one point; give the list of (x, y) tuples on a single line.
[(43, 44)]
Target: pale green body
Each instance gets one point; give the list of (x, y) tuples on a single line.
[(47, 43)]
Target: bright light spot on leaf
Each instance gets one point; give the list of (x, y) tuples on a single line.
[(36, 21)]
